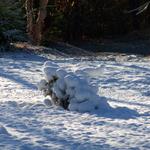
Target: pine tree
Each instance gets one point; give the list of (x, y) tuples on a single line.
[(11, 20)]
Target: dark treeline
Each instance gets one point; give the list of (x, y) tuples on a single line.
[(72, 20)]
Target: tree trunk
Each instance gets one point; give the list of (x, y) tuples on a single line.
[(35, 26), (40, 21), (29, 15)]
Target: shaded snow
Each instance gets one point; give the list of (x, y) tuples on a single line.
[(29, 122)]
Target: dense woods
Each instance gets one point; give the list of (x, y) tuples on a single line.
[(70, 20)]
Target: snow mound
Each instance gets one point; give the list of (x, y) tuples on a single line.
[(69, 90)]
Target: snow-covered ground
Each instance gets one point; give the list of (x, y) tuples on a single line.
[(26, 123)]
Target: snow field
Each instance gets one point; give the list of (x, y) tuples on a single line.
[(26, 123)]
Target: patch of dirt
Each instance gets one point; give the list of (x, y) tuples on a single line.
[(57, 49)]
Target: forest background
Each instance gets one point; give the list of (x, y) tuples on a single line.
[(43, 21)]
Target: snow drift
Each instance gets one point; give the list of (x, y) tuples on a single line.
[(69, 90)]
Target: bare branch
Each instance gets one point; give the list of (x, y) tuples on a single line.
[(139, 9)]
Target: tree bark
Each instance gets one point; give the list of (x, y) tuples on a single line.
[(38, 37), (35, 26), (29, 16)]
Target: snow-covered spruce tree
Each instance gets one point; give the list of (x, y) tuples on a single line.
[(70, 91)]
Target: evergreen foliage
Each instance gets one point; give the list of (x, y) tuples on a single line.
[(71, 20), (86, 19), (12, 22)]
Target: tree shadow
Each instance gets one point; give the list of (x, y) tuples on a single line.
[(17, 79), (119, 113), (21, 61), (107, 111), (47, 137), (130, 103), (23, 56)]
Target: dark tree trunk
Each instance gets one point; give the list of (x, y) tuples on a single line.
[(36, 14), (29, 15)]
